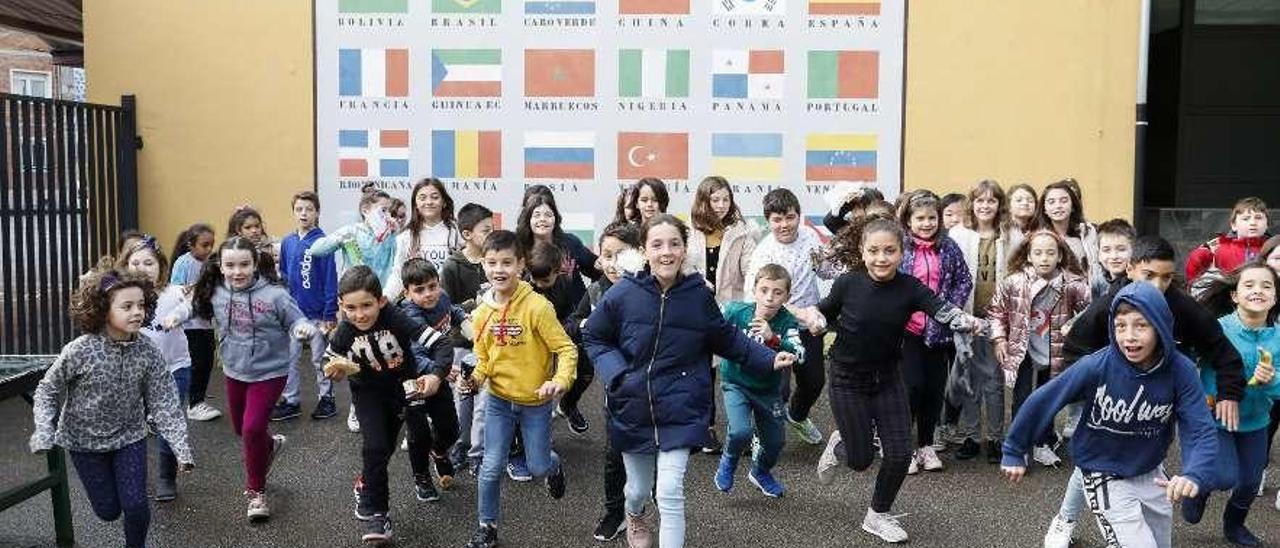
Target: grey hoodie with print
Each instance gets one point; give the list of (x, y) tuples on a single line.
[(254, 328)]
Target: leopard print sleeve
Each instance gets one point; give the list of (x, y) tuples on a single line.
[(50, 395)]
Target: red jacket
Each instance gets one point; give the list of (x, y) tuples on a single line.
[(1226, 253)]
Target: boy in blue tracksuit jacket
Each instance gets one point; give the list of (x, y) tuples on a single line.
[(1131, 392), (313, 284)]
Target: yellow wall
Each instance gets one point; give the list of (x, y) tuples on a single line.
[(224, 103), (1023, 92), (1015, 91)]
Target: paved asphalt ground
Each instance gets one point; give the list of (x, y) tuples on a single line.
[(310, 493)]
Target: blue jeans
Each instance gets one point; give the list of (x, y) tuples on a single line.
[(501, 418), (168, 462), (293, 383), (740, 405), (116, 483), (1073, 499), (669, 467)]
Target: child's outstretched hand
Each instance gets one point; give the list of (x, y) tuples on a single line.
[(170, 322), (304, 330), (428, 385), (339, 368), (1178, 488), (783, 360), (549, 389), (1014, 473)]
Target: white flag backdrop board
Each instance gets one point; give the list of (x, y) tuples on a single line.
[(492, 95)]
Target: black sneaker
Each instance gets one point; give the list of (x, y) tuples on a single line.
[(444, 469), (424, 488), (284, 411), (377, 530), (555, 484), (712, 448), (968, 449), (486, 536), (993, 452), (577, 423), (610, 526), (325, 409)]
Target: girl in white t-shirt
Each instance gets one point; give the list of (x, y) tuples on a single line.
[(432, 232)]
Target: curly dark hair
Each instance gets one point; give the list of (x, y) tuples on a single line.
[(845, 249), (91, 301)]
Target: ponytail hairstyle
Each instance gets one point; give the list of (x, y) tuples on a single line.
[(1216, 296), (187, 238), (416, 222), (846, 247), (91, 301), (369, 195), (1067, 259), (211, 274)]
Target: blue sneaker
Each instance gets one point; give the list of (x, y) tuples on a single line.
[(765, 481), (517, 470), (724, 473)]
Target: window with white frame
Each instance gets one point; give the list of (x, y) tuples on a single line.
[(30, 82)]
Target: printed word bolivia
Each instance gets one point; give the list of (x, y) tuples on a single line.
[(373, 104), (542, 104), (462, 22), (381, 21), (560, 22)]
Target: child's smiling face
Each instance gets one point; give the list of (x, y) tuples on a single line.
[(1256, 290)]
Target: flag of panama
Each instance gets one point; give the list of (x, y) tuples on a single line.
[(747, 74)]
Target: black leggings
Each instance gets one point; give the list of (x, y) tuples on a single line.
[(200, 346), (586, 374), (866, 403), (924, 370), (811, 377)]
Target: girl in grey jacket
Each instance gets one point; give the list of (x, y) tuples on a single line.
[(94, 399)]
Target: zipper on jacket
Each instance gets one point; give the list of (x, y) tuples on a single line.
[(648, 377)]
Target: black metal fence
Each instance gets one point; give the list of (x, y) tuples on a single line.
[(68, 186)]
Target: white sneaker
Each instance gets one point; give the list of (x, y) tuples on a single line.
[(258, 509), (1262, 484), (353, 423), (203, 412), (1044, 455), (404, 443), (806, 430), (884, 526), (828, 462), (914, 467), (1061, 533), (929, 459), (1277, 499)]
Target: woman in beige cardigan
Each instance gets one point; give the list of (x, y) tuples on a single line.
[(721, 243)]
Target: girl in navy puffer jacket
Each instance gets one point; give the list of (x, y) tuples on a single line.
[(651, 339)]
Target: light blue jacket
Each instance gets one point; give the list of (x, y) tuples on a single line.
[(1255, 407)]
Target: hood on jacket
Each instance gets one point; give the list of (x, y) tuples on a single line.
[(523, 289), (1152, 304), (646, 280)]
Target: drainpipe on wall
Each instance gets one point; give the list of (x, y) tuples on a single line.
[(1140, 122)]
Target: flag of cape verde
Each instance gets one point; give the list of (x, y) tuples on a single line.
[(366, 153)]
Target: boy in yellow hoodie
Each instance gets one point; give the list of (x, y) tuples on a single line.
[(527, 359)]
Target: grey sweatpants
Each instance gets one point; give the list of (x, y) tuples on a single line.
[(1131, 512)]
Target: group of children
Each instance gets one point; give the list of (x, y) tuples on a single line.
[(475, 338)]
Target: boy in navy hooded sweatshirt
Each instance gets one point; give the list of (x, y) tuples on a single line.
[(1131, 391)]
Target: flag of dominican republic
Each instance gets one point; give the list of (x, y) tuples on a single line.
[(560, 155), (559, 72), (653, 7), (661, 155), (750, 7), (844, 74), (747, 156), (844, 7), (466, 154), (466, 6), (575, 7), (747, 74), (373, 6), (373, 72), (840, 157), (373, 153), (653, 73), (466, 72)]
